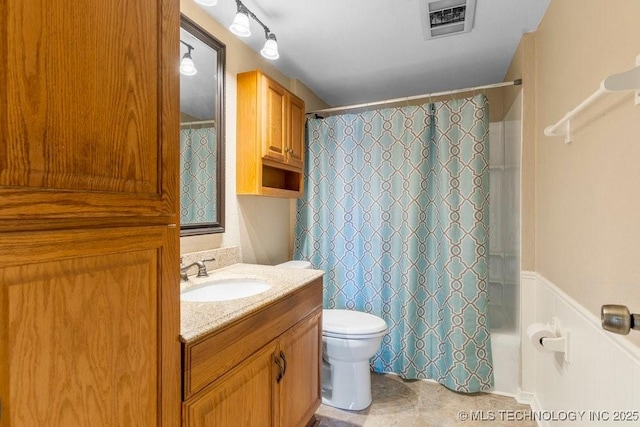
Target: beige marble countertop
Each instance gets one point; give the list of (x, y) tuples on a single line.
[(199, 318)]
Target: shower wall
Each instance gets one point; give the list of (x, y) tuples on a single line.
[(504, 248)]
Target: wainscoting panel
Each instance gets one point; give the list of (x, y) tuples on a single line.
[(599, 385)]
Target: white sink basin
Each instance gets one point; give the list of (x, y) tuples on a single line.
[(224, 290)]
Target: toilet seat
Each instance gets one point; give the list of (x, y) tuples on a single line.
[(350, 324), (353, 337)]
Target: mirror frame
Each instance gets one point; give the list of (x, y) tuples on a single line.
[(220, 48)]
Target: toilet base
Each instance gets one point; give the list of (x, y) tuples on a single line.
[(346, 385)]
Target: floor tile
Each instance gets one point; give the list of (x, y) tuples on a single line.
[(412, 403)]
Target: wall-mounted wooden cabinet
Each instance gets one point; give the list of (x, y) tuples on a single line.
[(263, 370), (270, 156)]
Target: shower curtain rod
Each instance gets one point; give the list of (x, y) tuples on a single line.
[(516, 82), (201, 122)]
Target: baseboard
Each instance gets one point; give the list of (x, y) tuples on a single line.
[(537, 408), (505, 394), (524, 397)]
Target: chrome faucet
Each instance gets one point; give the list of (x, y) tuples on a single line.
[(202, 268)]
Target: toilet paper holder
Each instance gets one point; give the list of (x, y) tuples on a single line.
[(560, 344), (618, 319), (557, 342)]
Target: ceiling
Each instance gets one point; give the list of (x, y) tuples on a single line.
[(359, 51)]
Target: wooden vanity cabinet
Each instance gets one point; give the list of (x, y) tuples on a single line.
[(262, 370), (270, 158)]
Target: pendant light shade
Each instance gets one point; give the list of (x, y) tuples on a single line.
[(207, 2), (270, 49), (186, 65), (240, 25)]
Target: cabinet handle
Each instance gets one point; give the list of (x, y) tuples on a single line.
[(284, 361), (281, 373)]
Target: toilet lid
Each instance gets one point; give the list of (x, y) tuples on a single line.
[(350, 322)]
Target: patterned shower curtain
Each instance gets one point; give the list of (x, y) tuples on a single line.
[(396, 213), (197, 174)]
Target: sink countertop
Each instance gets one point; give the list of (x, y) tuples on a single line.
[(200, 318)]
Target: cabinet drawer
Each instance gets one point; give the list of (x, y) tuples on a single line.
[(208, 358)]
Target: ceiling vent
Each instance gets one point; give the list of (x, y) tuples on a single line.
[(446, 17)]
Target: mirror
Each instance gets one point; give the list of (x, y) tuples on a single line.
[(201, 131)]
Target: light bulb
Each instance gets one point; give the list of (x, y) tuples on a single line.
[(186, 66), (270, 49), (240, 25), (207, 2)]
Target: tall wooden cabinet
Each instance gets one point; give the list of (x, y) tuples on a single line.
[(270, 155), (89, 243)]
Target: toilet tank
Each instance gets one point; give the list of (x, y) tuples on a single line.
[(300, 265)]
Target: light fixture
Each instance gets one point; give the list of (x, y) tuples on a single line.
[(207, 2), (187, 66), (270, 49), (240, 27)]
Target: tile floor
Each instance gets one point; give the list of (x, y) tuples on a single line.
[(424, 404)]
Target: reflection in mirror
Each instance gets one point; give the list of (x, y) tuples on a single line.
[(201, 131)]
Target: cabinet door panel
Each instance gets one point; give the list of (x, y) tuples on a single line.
[(275, 120), (89, 127), (89, 330), (243, 397), (300, 387), (296, 127)]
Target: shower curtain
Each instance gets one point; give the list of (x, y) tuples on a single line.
[(197, 174), (396, 213)]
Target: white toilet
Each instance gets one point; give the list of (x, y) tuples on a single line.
[(350, 338)]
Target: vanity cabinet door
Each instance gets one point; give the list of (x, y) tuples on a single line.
[(300, 387), (246, 396)]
